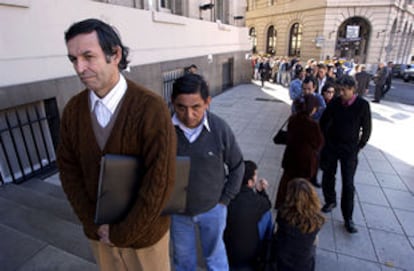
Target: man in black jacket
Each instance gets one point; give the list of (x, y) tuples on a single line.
[(248, 221), (346, 125)]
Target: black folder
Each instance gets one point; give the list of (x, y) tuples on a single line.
[(119, 180), (178, 198), (118, 185)]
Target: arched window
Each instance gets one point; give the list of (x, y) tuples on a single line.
[(295, 40), (271, 40), (252, 34)]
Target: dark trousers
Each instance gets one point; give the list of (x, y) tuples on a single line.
[(348, 161), (378, 92)]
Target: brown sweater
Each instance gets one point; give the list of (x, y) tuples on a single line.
[(143, 128)]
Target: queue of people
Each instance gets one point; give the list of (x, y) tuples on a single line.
[(227, 206)]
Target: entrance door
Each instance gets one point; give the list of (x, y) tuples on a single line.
[(353, 38)]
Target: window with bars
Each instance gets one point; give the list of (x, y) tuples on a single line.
[(295, 40), (28, 136)]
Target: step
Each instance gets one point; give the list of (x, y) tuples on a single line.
[(40, 197), (44, 227)]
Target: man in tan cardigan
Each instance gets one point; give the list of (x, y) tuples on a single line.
[(115, 116)]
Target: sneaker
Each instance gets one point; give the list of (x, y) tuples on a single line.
[(328, 207), (350, 226)]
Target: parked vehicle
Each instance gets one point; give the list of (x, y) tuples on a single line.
[(408, 74), (398, 70)]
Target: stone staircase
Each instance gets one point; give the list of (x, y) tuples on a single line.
[(39, 231)]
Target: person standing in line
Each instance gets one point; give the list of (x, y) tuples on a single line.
[(322, 78), (380, 79), (249, 222), (298, 222), (113, 115), (346, 126), (309, 85), (216, 173), (295, 87), (362, 80), (328, 93), (304, 141), (388, 81)]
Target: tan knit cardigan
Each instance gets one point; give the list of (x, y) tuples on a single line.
[(143, 127)]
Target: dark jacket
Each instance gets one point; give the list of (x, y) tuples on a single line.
[(241, 235), (295, 251), (346, 127), (362, 78), (304, 140), (300, 159)]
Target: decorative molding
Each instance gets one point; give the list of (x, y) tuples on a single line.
[(16, 3), (167, 18)]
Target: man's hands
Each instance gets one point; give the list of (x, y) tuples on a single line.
[(262, 185), (103, 233)]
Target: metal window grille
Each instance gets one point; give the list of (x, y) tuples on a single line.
[(169, 78), (26, 142)]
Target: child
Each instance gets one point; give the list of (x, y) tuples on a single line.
[(299, 220)]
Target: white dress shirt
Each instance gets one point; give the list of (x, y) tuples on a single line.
[(191, 133), (105, 107)]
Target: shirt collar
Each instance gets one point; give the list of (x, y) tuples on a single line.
[(351, 101), (114, 96), (204, 122)]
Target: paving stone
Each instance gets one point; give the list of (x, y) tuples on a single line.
[(381, 166), (391, 181), (400, 199), (16, 247), (364, 176), (326, 260), (326, 237), (380, 217), (371, 194), (42, 202), (57, 232), (356, 245), (352, 263), (393, 249), (407, 221), (57, 260)]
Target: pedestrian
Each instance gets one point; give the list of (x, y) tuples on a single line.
[(328, 93), (362, 79), (113, 115), (380, 79), (304, 140), (309, 86), (388, 81), (298, 223), (216, 174), (249, 222), (295, 87), (346, 125)]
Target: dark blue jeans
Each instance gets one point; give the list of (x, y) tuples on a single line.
[(211, 225)]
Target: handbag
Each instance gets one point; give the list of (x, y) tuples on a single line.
[(281, 136)]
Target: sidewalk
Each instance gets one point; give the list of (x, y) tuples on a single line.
[(384, 208)]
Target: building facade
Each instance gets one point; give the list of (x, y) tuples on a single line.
[(163, 36), (366, 31)]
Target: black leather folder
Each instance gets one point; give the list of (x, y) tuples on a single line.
[(178, 199), (119, 180)]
